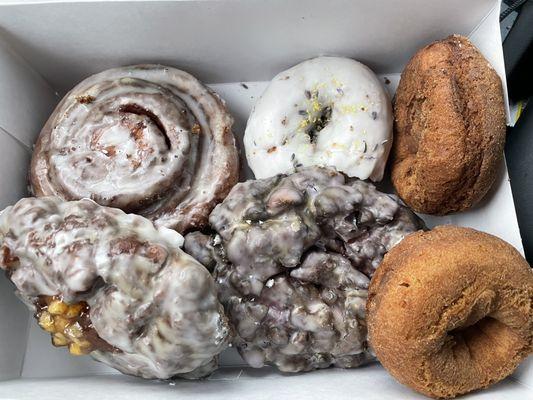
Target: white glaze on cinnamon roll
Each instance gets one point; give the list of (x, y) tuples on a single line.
[(112, 285), (147, 139)]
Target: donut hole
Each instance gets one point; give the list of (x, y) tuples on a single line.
[(319, 122), (467, 358), (467, 332), (487, 343)]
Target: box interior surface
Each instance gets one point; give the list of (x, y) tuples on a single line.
[(47, 47)]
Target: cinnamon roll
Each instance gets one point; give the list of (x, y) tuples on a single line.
[(147, 139), (111, 285)]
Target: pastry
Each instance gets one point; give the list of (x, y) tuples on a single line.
[(147, 139), (111, 285), (328, 111), (292, 259), (451, 311), (449, 129)]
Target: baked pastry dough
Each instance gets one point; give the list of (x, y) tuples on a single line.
[(111, 285), (147, 139), (449, 128), (327, 111), (451, 311), (292, 260)]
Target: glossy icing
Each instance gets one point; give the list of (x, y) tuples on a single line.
[(293, 258), (147, 139), (327, 111), (154, 304)]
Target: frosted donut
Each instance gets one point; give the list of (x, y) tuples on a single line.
[(111, 285), (292, 258), (147, 139), (327, 111)]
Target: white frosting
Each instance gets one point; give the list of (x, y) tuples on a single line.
[(148, 299), (356, 139)]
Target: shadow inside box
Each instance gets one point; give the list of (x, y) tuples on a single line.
[(47, 60), (501, 179)]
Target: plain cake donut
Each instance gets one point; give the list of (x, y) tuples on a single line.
[(449, 128), (450, 311)]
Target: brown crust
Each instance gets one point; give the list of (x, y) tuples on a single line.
[(451, 311), (449, 126)]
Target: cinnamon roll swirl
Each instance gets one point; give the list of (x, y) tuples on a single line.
[(147, 139)]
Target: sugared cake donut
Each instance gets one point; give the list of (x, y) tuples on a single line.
[(451, 311), (449, 128), (293, 256), (111, 285), (147, 139), (327, 111)]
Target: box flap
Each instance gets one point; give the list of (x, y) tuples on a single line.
[(240, 35)]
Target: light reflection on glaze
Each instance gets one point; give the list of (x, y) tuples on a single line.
[(147, 139), (294, 256)]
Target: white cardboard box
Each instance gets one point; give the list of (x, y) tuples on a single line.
[(48, 46)]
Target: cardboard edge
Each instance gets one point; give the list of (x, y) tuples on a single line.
[(491, 47), (41, 102)]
